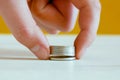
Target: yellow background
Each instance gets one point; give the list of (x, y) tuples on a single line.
[(109, 24)]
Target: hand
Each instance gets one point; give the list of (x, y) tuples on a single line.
[(89, 21), (51, 15)]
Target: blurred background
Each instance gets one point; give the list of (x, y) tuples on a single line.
[(109, 24)]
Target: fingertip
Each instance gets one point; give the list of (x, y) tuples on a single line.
[(41, 52), (77, 58), (79, 53)]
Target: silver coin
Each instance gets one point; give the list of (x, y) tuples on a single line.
[(63, 59), (62, 52)]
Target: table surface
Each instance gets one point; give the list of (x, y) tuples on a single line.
[(100, 62)]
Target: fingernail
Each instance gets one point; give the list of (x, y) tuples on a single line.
[(41, 52)]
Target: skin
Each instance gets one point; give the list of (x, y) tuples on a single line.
[(26, 18)]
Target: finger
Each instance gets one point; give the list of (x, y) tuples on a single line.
[(31, 3), (19, 19), (38, 8), (53, 15), (46, 28), (69, 11), (89, 21)]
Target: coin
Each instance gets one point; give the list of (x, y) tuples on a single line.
[(62, 52), (63, 59)]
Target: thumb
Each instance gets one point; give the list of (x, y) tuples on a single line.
[(19, 20)]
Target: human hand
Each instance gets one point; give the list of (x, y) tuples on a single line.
[(54, 16), (89, 21)]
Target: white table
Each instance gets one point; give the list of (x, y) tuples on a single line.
[(101, 61)]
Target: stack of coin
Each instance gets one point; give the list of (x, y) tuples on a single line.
[(62, 53)]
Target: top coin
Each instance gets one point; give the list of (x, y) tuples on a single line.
[(62, 50)]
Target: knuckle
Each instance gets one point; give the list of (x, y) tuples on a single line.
[(67, 27)]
